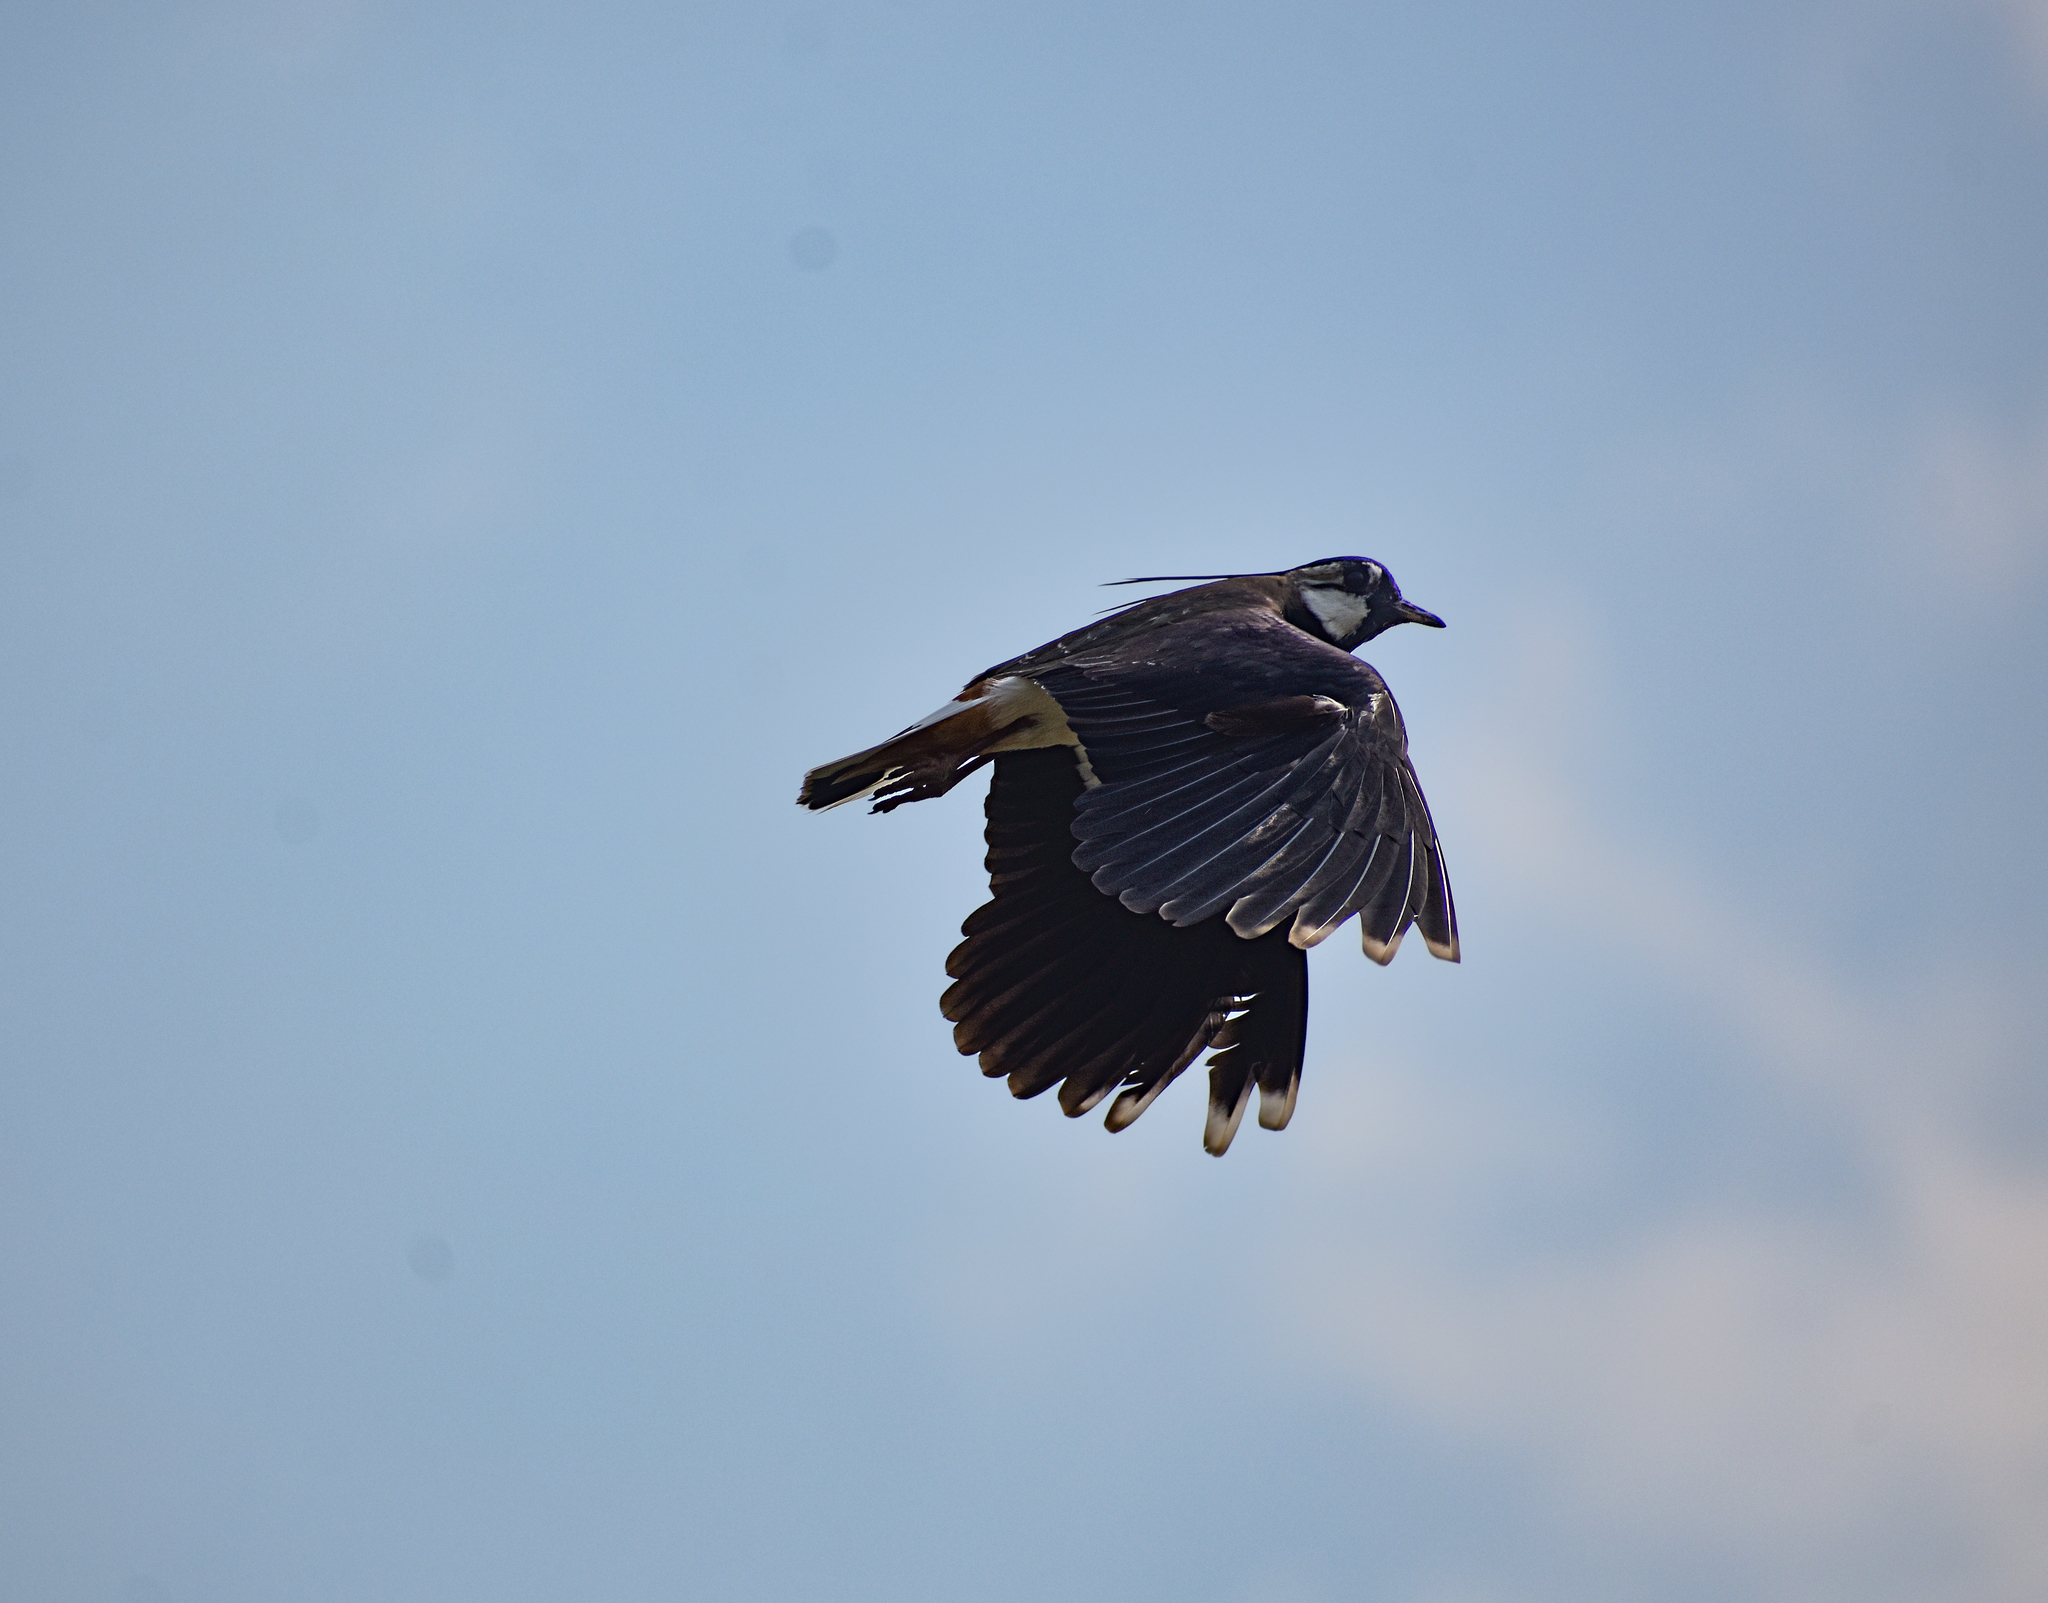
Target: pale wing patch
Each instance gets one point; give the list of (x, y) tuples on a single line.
[(1013, 697)]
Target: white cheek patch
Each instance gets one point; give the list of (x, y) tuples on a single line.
[(1338, 611)]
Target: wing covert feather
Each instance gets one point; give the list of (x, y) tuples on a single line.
[(1308, 810)]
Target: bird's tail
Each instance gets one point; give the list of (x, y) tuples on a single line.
[(927, 759)]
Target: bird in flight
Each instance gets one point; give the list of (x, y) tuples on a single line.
[(1188, 794)]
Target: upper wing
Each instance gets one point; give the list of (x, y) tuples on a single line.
[(1216, 794)]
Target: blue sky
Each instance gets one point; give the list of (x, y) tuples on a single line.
[(463, 1134)]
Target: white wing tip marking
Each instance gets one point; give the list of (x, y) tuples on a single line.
[(1124, 1111), (1223, 1122), (1304, 936), (1381, 952), (1276, 1108)]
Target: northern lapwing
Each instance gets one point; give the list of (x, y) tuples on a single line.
[(1188, 794)]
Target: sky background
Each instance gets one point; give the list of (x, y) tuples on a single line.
[(464, 1134)]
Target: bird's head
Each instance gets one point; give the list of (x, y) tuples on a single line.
[(1344, 600), (1348, 600)]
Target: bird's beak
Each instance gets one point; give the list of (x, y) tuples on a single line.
[(1408, 612)]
